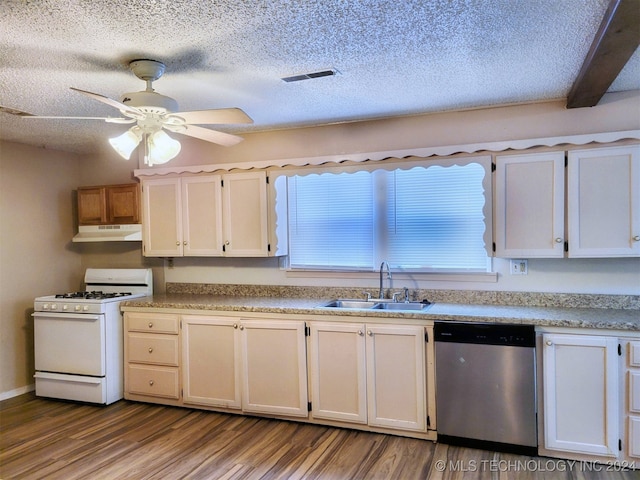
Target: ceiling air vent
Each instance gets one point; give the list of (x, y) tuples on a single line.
[(308, 76)]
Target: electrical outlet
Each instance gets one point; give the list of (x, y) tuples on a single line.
[(519, 267)]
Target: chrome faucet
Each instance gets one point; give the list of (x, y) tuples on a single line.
[(382, 265)]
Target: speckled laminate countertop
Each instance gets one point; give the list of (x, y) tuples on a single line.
[(600, 318)]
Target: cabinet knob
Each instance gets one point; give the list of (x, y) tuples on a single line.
[(360, 332), (150, 350), (227, 242), (549, 343), (184, 243), (636, 238), (558, 240), (151, 383), (150, 324), (370, 333), (235, 325), (241, 327), (178, 243)]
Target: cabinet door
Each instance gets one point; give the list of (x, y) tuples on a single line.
[(580, 382), (245, 214), (92, 206), (202, 215), (396, 381), (338, 372), (604, 202), (123, 204), (274, 367), (530, 205), (211, 361), (162, 218)]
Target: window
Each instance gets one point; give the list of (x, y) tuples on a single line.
[(423, 218)]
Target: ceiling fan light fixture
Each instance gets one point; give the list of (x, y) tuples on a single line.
[(161, 148), (126, 143)]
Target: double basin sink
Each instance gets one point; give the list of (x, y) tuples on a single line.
[(373, 304)]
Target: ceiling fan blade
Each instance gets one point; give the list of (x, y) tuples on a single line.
[(15, 111), (216, 116), (221, 138), (113, 103), (20, 113)]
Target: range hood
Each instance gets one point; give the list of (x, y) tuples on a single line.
[(109, 233)]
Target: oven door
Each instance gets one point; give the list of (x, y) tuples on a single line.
[(71, 343)]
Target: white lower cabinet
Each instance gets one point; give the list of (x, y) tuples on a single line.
[(581, 394), (590, 396), (211, 362), (373, 374), (632, 423), (258, 366)]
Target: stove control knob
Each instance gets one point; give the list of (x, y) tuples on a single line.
[(45, 306), (85, 308), (65, 307), (77, 308), (54, 306)]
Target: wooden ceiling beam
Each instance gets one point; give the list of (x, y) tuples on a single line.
[(617, 39)]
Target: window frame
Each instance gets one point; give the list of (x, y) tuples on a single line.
[(485, 161)]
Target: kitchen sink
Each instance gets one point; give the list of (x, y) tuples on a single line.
[(402, 306), (377, 305), (349, 304)]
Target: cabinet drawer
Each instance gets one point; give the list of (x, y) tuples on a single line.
[(634, 354), (154, 323), (152, 348), (155, 381)]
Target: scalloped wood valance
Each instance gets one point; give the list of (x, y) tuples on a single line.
[(440, 151)]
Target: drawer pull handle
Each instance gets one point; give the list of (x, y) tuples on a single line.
[(151, 383), (150, 350), (150, 324)]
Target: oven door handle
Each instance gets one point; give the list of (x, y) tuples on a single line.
[(72, 316)]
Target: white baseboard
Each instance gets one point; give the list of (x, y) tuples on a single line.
[(17, 391)]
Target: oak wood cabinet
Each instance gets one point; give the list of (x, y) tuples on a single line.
[(369, 373), (109, 204)]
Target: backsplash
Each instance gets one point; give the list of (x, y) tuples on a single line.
[(529, 299)]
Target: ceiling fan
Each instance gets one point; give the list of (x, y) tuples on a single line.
[(152, 113)]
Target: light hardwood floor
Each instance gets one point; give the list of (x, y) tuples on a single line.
[(49, 439)]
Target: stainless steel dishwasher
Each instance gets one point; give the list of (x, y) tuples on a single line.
[(486, 386)]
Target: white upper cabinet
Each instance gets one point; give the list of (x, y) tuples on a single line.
[(529, 218), (604, 202), (245, 215), (162, 217), (182, 216), (232, 214)]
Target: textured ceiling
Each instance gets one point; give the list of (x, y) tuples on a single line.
[(393, 57)]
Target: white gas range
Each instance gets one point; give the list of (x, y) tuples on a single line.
[(78, 336)]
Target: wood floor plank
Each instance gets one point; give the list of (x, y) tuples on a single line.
[(56, 440)]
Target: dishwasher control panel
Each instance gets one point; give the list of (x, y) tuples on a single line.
[(485, 333)]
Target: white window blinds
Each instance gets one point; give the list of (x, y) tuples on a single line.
[(423, 218)]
